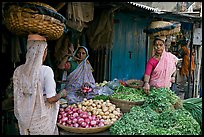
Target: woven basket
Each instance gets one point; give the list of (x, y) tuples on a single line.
[(84, 130), (22, 21), (166, 32), (124, 105), (131, 83)]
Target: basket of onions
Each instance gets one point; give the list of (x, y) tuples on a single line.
[(81, 117)]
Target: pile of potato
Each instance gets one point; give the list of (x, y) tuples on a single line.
[(102, 109)]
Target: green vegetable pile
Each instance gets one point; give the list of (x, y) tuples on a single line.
[(194, 106), (161, 99), (161, 114), (103, 97), (128, 94)]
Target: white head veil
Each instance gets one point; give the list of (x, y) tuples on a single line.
[(27, 83)]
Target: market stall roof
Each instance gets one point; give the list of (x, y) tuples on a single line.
[(157, 13), (177, 16), (144, 7)]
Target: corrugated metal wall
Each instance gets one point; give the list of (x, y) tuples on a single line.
[(128, 55)]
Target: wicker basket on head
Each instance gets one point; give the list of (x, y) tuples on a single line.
[(24, 21), (163, 28)]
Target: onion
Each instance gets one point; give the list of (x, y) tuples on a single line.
[(71, 117), (69, 122), (97, 121), (101, 124), (93, 117), (84, 116), (65, 115), (79, 111), (80, 120), (87, 120), (84, 124), (93, 123), (75, 109), (76, 125), (59, 116), (67, 109), (64, 123), (60, 121), (102, 120), (74, 120), (69, 112), (61, 109), (75, 114), (87, 126), (62, 112), (72, 125), (90, 117), (64, 119)]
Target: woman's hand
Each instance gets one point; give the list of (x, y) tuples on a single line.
[(172, 79), (67, 65), (63, 93), (146, 88)]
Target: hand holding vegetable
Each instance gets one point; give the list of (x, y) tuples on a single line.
[(146, 88), (63, 93)]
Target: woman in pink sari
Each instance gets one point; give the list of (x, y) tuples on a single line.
[(161, 67)]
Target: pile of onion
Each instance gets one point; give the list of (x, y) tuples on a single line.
[(76, 117)]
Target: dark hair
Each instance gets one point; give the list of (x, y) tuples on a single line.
[(157, 38), (183, 42)]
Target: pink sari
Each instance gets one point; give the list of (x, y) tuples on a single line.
[(161, 75)]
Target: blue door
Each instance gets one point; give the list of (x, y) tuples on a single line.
[(128, 55)]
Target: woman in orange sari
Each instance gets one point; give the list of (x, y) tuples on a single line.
[(185, 54), (161, 67)]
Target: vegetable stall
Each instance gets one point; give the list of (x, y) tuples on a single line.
[(161, 112)]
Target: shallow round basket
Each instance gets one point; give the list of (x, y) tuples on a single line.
[(130, 83), (84, 130), (124, 105), (24, 21)]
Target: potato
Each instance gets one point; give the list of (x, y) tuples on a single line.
[(115, 112), (107, 101), (98, 106), (113, 119), (112, 115), (104, 117), (104, 109), (106, 113), (101, 113)]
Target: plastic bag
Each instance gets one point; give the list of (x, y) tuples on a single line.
[(105, 90), (113, 84)]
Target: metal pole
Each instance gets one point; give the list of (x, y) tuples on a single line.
[(187, 94), (189, 78)]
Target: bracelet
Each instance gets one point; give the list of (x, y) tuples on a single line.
[(62, 94)]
